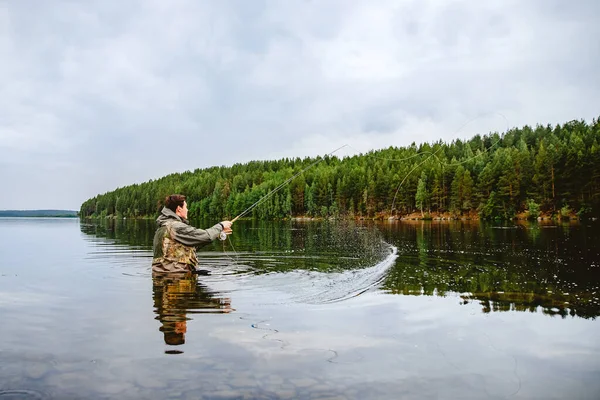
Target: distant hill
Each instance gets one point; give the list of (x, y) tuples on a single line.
[(38, 213)]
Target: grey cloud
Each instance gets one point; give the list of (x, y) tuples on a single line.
[(91, 92)]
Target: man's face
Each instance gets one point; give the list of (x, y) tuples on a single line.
[(182, 211)]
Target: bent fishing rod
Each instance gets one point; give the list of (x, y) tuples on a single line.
[(280, 186)]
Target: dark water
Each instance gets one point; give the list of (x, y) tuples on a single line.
[(302, 310)]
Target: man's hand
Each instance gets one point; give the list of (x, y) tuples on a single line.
[(227, 227)]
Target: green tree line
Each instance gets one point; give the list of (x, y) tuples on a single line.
[(551, 170)]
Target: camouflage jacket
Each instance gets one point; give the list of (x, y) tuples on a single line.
[(175, 240)]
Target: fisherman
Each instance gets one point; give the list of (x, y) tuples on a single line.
[(175, 240)]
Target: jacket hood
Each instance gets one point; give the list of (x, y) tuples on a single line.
[(166, 215)]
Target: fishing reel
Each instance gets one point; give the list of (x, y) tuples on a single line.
[(222, 236)]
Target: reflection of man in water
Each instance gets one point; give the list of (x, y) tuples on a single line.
[(176, 294), (175, 240)]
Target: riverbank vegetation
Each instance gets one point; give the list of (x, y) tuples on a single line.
[(527, 172)]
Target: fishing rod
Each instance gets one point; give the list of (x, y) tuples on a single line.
[(223, 235)]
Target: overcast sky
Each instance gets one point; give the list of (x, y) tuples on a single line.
[(100, 94)]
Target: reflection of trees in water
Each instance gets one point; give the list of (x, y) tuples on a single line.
[(136, 233), (553, 266), (574, 305), (504, 268), (177, 295)]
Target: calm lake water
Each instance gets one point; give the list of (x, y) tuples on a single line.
[(306, 310)]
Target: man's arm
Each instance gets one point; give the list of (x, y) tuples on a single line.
[(190, 236)]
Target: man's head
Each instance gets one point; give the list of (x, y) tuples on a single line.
[(177, 204)]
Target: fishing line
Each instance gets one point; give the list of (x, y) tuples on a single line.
[(452, 164), (485, 150), (235, 261), (388, 159)]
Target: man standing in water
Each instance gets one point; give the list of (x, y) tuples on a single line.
[(175, 240)]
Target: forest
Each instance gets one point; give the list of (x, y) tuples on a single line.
[(550, 171)]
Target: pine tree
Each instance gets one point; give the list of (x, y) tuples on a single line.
[(422, 196)]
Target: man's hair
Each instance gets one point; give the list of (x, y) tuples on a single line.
[(173, 201)]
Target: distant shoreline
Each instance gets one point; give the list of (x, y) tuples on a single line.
[(38, 214)]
